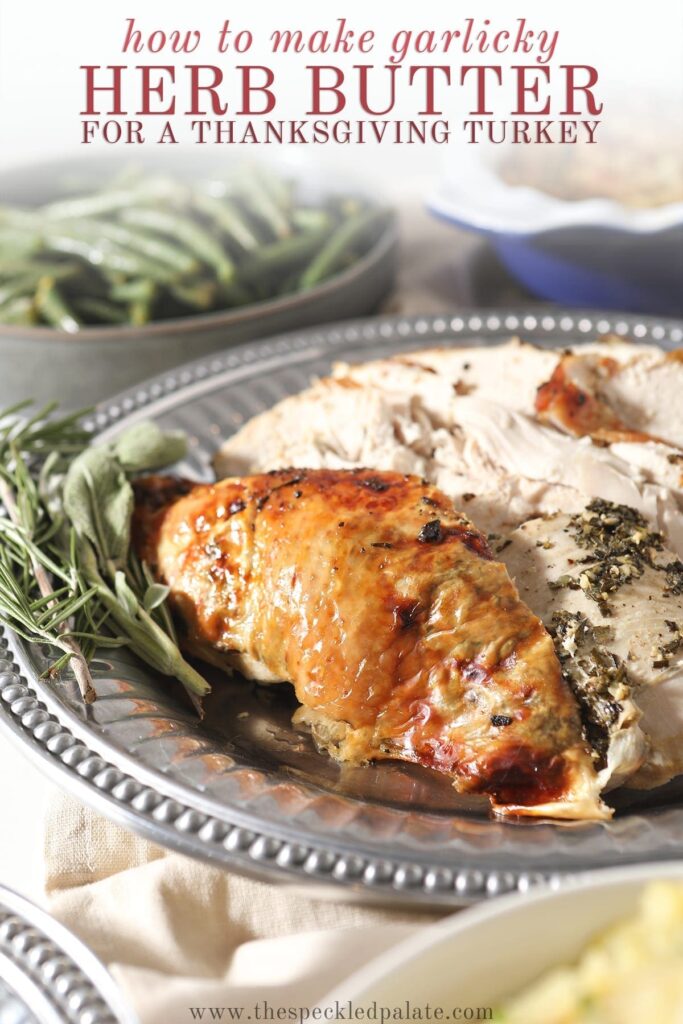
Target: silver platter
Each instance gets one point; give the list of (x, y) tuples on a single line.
[(47, 976), (244, 789)]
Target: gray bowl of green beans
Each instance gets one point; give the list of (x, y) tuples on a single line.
[(108, 276)]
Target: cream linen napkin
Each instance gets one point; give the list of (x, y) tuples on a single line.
[(178, 934)]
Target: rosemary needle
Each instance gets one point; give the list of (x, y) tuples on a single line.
[(69, 577), (52, 629)]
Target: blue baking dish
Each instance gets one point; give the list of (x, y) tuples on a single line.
[(593, 253)]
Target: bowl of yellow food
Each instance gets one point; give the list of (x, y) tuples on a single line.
[(604, 948)]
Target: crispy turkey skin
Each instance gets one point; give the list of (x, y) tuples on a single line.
[(402, 635)]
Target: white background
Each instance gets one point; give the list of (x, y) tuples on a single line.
[(638, 49)]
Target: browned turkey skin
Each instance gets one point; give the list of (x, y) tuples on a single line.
[(571, 401), (402, 635)]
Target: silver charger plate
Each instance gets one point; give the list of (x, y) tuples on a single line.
[(47, 976), (243, 789)]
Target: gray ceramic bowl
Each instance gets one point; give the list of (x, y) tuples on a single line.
[(44, 364)]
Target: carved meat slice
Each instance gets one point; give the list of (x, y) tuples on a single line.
[(596, 395), (612, 595), (509, 374), (495, 461), (403, 636)]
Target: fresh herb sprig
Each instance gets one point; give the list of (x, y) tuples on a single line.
[(69, 577)]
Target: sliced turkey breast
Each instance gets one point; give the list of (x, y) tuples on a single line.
[(465, 421), (499, 463), (611, 594), (510, 373), (595, 394)]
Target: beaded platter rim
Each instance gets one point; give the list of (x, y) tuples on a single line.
[(248, 841), (50, 973)]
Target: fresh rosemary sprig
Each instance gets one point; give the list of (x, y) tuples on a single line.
[(69, 577)]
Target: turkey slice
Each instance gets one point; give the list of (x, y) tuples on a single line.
[(612, 596), (501, 465), (595, 394)]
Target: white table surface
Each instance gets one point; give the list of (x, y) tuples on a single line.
[(24, 795)]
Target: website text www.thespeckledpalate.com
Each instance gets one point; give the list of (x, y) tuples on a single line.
[(344, 1011)]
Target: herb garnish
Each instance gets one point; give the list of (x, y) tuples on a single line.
[(69, 578), (597, 677), (673, 646), (431, 532), (621, 546), (674, 577)]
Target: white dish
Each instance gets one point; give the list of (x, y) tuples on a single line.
[(480, 956), (472, 192), (590, 252)]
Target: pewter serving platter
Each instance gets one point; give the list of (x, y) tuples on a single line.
[(47, 976), (244, 789)]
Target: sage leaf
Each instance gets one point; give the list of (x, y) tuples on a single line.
[(98, 500), (87, 560), (125, 595), (145, 446), (155, 595), (69, 578)]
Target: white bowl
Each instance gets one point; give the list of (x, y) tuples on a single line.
[(591, 253), (478, 957), (474, 193)]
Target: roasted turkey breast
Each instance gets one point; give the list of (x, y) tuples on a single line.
[(402, 634), (530, 441), (611, 593)]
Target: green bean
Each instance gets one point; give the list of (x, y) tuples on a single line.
[(187, 231), (228, 217), (236, 294), (37, 268), (160, 262), (281, 256), (153, 247), (17, 244), (135, 290), (335, 251), (112, 278), (199, 296), (18, 286), (25, 283), (140, 313), (261, 203), (18, 311), (54, 309), (111, 201), (103, 254), (140, 309), (309, 218), (144, 247), (101, 309)]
